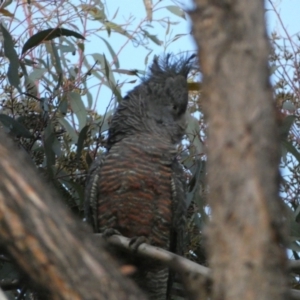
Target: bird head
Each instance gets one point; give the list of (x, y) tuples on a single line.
[(158, 105)]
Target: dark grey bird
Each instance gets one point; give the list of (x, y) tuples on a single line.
[(138, 186)]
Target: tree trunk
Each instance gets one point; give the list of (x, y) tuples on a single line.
[(245, 238), (47, 243)]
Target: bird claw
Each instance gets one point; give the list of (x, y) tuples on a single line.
[(135, 242), (107, 233)]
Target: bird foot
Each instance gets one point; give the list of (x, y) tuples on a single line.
[(135, 242), (109, 232)]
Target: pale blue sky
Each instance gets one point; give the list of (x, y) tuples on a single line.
[(132, 57), (289, 11)]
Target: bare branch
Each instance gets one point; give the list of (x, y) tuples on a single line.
[(178, 263)]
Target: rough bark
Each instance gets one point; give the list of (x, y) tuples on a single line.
[(244, 237), (47, 243)]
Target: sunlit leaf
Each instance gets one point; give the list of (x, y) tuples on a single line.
[(111, 82), (69, 129), (176, 11), (98, 57), (57, 61), (152, 37), (95, 12), (78, 108), (6, 13), (273, 69), (30, 86), (116, 28), (289, 105), (67, 48), (81, 46), (63, 106), (112, 52), (37, 73)]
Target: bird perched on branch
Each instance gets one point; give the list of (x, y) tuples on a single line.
[(138, 186)]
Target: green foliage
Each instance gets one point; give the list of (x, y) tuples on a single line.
[(57, 70), (51, 84), (47, 35), (284, 62), (59, 64), (11, 54)]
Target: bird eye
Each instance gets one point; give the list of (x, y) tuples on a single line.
[(175, 107)]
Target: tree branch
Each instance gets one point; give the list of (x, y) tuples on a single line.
[(174, 261), (243, 152), (53, 248), (184, 266)]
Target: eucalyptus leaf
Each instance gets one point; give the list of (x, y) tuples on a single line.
[(69, 129), (289, 105), (11, 54), (37, 73), (152, 37), (177, 11), (14, 126), (112, 52), (57, 61), (47, 35), (30, 86), (286, 125), (291, 149), (63, 106), (78, 108)]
